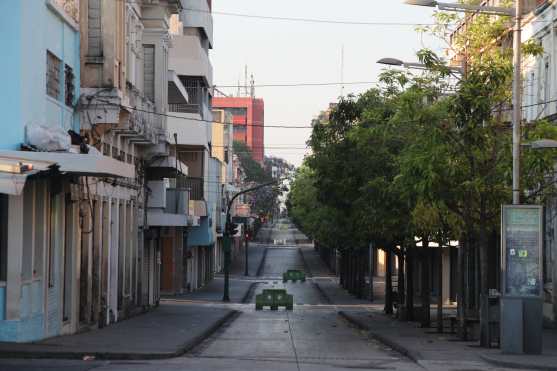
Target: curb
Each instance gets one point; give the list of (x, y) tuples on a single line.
[(248, 295), (414, 356), (322, 292), (261, 263), (184, 348), (516, 365)]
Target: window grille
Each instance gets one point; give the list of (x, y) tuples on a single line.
[(69, 86), (53, 65), (106, 149)]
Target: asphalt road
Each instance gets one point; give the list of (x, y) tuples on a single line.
[(312, 337)]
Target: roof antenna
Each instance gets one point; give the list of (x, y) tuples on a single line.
[(252, 87), (246, 81), (342, 71)]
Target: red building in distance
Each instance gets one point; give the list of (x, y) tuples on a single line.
[(249, 122)]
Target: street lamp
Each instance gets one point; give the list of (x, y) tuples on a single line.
[(517, 77), (455, 7), (227, 238), (420, 66), (541, 144)]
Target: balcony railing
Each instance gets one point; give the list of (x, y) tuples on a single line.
[(195, 186), (184, 108)]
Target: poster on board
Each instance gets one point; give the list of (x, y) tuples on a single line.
[(521, 234)]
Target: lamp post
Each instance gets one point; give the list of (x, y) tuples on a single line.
[(227, 236)]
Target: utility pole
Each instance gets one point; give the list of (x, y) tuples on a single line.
[(246, 269), (517, 100)]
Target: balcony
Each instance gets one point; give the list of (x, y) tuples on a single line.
[(191, 128), (188, 58), (139, 124), (202, 19), (195, 187), (167, 207)]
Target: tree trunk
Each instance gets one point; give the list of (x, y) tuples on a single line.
[(371, 261), (440, 290), (351, 272), (361, 273), (388, 282), (460, 295), (342, 269), (410, 261), (426, 290), (401, 285), (484, 281)]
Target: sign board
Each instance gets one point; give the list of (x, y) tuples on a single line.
[(521, 240)]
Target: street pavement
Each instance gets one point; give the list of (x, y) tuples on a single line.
[(311, 337)]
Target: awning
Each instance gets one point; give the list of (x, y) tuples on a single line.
[(12, 184), (77, 163)]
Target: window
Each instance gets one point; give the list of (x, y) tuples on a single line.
[(236, 111), (94, 35), (149, 71), (53, 211), (3, 236), (28, 230), (40, 227), (53, 65), (106, 149), (69, 87)]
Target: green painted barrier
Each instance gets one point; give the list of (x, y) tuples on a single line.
[(274, 298), (294, 276)]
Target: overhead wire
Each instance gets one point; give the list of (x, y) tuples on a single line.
[(309, 20)]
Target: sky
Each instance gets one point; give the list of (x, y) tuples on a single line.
[(284, 52)]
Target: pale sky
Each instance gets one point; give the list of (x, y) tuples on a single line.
[(294, 52)]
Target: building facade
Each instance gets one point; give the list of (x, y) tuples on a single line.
[(47, 171), (190, 126), (248, 115), (539, 100)]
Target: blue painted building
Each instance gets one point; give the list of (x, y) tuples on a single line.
[(40, 87)]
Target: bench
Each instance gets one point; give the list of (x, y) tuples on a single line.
[(274, 298)]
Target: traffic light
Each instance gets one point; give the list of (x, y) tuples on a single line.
[(232, 229)]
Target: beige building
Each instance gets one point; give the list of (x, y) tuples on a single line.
[(124, 74)]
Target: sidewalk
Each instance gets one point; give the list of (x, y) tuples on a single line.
[(168, 331), (241, 288), (424, 346), (327, 283), (239, 291), (256, 254)]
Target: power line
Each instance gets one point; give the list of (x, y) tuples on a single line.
[(203, 120), (301, 84), (310, 20)]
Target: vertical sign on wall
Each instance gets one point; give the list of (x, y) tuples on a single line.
[(522, 250)]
